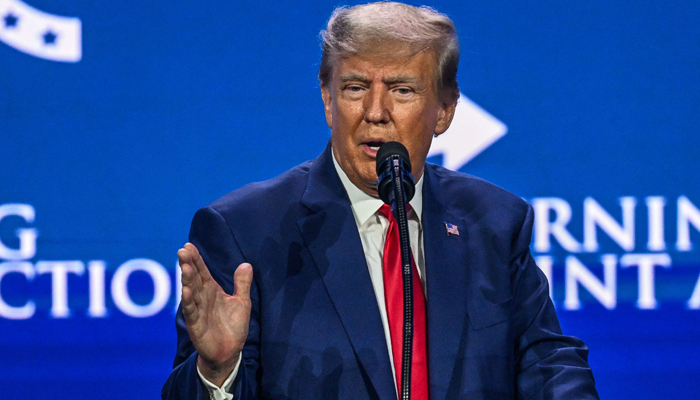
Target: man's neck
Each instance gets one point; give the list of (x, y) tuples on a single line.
[(364, 205)]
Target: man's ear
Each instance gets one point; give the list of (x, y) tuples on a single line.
[(445, 115), (327, 104)]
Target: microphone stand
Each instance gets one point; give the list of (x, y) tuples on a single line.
[(400, 214)]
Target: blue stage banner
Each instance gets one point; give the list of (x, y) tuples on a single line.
[(119, 120)]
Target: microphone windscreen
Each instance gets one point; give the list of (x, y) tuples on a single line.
[(387, 150)]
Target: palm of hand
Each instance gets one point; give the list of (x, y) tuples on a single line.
[(216, 322), (220, 327)]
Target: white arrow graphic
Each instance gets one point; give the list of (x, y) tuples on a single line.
[(40, 34), (473, 130)]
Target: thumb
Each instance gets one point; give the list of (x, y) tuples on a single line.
[(242, 279)]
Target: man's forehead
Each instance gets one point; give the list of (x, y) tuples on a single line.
[(386, 66)]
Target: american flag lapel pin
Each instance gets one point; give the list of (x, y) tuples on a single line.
[(451, 229)]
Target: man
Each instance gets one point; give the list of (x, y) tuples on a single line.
[(313, 320)]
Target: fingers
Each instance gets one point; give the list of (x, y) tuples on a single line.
[(189, 255), (195, 273), (183, 255), (192, 285), (242, 279), (197, 261), (189, 309), (190, 276)]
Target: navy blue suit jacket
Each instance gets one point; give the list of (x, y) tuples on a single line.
[(315, 329)]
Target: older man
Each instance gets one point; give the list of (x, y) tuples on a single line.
[(316, 320)]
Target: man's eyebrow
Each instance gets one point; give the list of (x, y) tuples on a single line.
[(401, 79), (356, 77), (353, 76)]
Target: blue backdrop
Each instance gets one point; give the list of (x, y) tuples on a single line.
[(118, 123)]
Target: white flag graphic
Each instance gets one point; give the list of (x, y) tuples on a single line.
[(40, 34)]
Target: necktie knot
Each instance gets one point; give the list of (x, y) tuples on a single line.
[(385, 210)]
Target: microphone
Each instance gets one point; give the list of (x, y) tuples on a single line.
[(396, 188), (393, 162)]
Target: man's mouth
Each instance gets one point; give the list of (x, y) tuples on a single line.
[(374, 145)]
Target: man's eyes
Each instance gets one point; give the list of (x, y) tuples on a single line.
[(401, 91), (354, 91), (354, 88)]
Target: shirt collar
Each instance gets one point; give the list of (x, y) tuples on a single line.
[(364, 205)]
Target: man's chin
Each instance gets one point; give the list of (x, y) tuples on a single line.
[(369, 186)]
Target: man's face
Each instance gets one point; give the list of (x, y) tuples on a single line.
[(375, 99)]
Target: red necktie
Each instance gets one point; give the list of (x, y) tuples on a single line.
[(393, 295)]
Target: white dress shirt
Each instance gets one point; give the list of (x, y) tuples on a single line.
[(372, 227)]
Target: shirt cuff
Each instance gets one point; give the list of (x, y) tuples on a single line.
[(221, 393)]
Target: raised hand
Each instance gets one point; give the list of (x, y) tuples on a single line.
[(216, 322)]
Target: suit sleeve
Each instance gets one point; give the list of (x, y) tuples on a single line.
[(548, 364), (215, 241)]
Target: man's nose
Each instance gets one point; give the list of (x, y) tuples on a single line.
[(378, 106)]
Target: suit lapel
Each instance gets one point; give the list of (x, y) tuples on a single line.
[(330, 233), (447, 266)]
